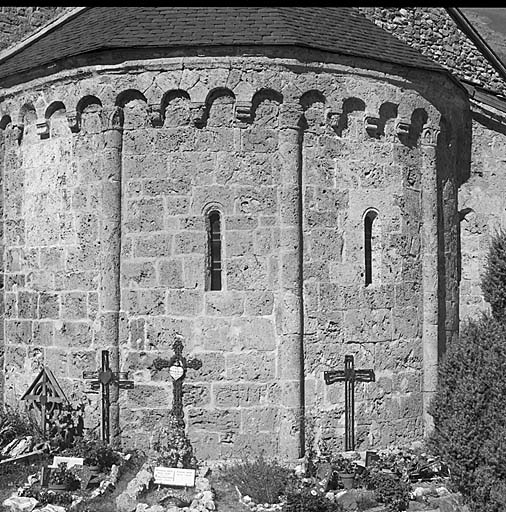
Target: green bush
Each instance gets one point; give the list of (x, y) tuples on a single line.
[(15, 424), (493, 282), (390, 489), (262, 480), (469, 414), (307, 500), (469, 406), (94, 452)]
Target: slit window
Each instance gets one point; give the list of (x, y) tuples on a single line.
[(369, 246), (214, 251)]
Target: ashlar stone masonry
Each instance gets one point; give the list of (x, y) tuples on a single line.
[(109, 176)]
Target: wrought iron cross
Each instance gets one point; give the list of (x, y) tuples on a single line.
[(349, 376), (177, 366), (103, 378)]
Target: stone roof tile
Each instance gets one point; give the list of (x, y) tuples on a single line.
[(335, 29)]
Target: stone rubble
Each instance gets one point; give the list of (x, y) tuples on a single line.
[(202, 500)]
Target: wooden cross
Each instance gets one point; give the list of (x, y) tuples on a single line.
[(177, 366), (46, 394), (349, 375), (103, 378)]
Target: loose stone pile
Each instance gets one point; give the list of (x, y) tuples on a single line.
[(200, 498)]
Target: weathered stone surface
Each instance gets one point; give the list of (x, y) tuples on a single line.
[(90, 266)]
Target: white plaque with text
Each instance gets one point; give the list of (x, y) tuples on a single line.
[(71, 461), (174, 476)]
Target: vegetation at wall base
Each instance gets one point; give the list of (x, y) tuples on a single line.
[(493, 282), (469, 408), (262, 480)]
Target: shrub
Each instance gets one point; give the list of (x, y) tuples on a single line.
[(173, 446), (94, 452), (469, 414), (64, 476), (15, 424), (48, 497), (262, 480), (308, 500), (390, 489), (493, 283), (66, 424)]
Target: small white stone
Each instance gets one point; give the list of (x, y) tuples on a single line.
[(246, 499), (20, 504), (207, 496)]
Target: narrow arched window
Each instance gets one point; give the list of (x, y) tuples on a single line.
[(368, 245), (214, 251)]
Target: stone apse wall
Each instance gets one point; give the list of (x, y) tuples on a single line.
[(481, 200), (107, 183)]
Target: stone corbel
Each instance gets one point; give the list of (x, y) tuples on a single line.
[(155, 116), (20, 130), (42, 126), (243, 111), (371, 125), (198, 110), (74, 121), (332, 118), (429, 136), (402, 128)]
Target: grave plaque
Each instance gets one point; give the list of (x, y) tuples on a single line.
[(177, 477), (70, 461)]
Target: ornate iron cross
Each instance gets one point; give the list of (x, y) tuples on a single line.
[(349, 375), (177, 366), (46, 395), (103, 378)]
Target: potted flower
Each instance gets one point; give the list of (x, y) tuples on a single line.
[(62, 478), (346, 470), (99, 456)]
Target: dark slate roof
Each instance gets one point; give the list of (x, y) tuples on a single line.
[(340, 30)]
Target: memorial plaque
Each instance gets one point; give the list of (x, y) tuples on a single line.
[(70, 461), (176, 372), (177, 477)]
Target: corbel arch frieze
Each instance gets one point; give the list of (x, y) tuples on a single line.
[(44, 123), (27, 114), (119, 119), (310, 118), (262, 95), (202, 100), (166, 103), (75, 112)]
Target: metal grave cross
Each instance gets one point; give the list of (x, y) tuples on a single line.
[(177, 366), (349, 376), (103, 378), (46, 395)]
